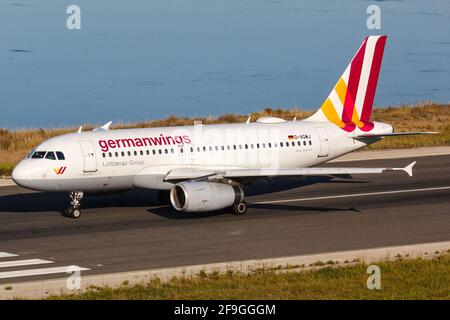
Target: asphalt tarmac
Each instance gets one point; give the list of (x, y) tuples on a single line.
[(129, 231)]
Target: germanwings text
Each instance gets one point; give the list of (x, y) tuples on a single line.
[(106, 145)]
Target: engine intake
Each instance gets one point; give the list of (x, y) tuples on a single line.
[(198, 196)]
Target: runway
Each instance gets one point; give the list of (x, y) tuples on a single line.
[(128, 231)]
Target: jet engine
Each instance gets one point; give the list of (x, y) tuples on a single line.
[(197, 196)]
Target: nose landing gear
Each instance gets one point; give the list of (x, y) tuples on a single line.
[(74, 211)]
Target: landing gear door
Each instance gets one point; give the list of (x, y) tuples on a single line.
[(324, 142), (90, 161)]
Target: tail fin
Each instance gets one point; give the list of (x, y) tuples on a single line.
[(350, 103)]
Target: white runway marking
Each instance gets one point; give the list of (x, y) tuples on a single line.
[(354, 195), (7, 255), (27, 262), (36, 272)]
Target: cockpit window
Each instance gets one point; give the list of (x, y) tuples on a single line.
[(60, 155), (38, 155), (50, 155)]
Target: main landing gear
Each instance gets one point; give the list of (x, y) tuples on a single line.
[(239, 208), (74, 211)]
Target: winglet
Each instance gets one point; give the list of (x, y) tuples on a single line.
[(409, 167), (104, 127), (248, 120), (80, 129)]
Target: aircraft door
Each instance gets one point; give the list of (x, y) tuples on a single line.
[(90, 161), (324, 142)]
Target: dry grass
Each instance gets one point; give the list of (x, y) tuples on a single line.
[(401, 279), (15, 144)]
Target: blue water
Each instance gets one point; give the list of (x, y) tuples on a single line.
[(141, 59)]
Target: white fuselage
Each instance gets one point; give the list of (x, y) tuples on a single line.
[(106, 160)]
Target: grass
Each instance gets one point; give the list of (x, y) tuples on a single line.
[(400, 279), (15, 144), (6, 169)]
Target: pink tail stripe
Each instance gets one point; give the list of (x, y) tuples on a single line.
[(353, 82), (372, 84)]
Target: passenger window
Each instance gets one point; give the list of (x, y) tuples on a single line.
[(154, 151), (293, 143), (123, 154), (50, 155), (60, 155), (38, 155), (116, 154), (165, 151), (142, 153), (160, 151), (129, 153), (181, 150), (110, 154), (310, 143), (147, 151), (269, 145), (304, 142), (135, 152), (104, 155)]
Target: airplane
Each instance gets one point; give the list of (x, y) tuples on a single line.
[(201, 168)]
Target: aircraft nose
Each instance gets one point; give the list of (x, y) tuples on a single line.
[(22, 174), (18, 173)]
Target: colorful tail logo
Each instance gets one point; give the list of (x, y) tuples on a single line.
[(350, 103), (59, 170)]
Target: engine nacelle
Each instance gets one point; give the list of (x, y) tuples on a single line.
[(197, 196)]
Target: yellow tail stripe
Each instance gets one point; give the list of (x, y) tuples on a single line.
[(341, 90), (355, 119), (331, 114)]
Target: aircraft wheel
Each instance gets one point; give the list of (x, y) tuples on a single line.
[(73, 213), (239, 208)]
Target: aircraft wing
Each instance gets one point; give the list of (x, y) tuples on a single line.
[(193, 174), (393, 134)]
